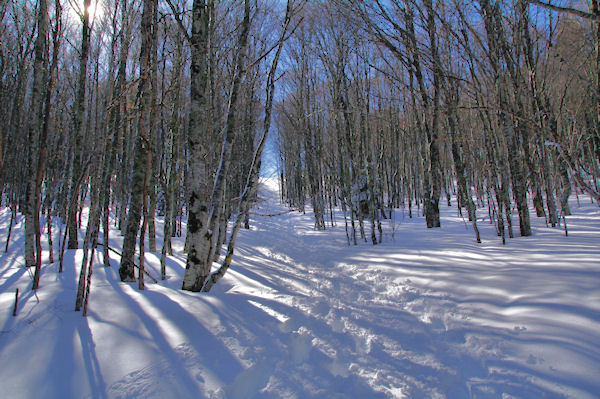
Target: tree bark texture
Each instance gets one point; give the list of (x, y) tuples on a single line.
[(143, 146), (199, 263), (196, 269)]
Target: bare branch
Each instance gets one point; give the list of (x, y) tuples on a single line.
[(570, 10), (177, 16)]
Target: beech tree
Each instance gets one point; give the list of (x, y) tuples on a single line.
[(78, 123), (142, 156), (199, 102), (252, 180), (382, 105), (37, 140), (201, 229), (453, 88)]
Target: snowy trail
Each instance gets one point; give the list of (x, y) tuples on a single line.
[(430, 317), (428, 313)]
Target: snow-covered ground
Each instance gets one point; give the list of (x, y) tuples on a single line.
[(427, 314)]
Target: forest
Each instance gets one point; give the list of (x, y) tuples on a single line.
[(128, 127), (146, 108)]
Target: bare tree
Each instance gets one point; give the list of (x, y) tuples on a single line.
[(35, 133), (78, 120), (196, 271), (143, 147), (252, 180), (199, 263)]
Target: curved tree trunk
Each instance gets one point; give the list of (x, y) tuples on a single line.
[(252, 180)]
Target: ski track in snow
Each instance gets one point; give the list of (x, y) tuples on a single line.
[(426, 314)]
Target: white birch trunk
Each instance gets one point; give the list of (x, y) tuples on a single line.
[(196, 269)]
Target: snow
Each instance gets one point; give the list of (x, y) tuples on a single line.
[(300, 314)]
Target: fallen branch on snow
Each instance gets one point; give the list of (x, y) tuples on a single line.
[(120, 254)]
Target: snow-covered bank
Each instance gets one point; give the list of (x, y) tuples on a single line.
[(429, 313)]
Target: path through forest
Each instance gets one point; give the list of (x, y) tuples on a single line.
[(428, 313)]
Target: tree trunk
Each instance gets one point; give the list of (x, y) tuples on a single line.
[(171, 174), (252, 180), (465, 195), (432, 198), (142, 146), (196, 269), (151, 185), (35, 132), (49, 232), (512, 131), (43, 151), (91, 232), (78, 119), (517, 175), (199, 263)]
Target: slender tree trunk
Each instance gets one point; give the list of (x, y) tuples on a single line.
[(221, 232), (117, 131), (49, 232), (91, 232), (432, 199), (230, 127), (465, 195), (169, 204), (150, 109), (170, 186), (153, 170), (145, 200), (43, 152), (517, 175), (252, 180), (566, 186), (13, 216), (36, 153), (72, 204), (142, 146), (78, 122), (174, 129)]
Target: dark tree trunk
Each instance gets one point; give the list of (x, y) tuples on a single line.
[(143, 146)]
